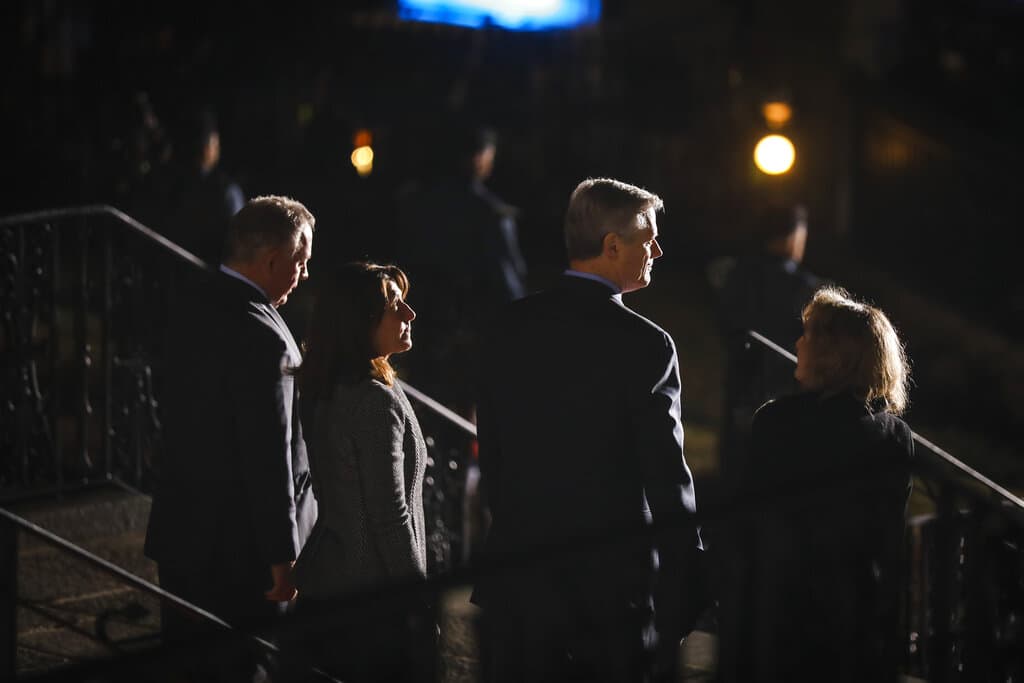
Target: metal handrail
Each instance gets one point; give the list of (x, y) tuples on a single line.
[(135, 581), (106, 210), (1005, 496), (439, 409)]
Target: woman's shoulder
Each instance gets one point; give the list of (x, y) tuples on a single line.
[(786, 407), (365, 394), (895, 428)]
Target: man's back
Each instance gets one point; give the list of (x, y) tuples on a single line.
[(224, 351), (580, 446), (568, 395)]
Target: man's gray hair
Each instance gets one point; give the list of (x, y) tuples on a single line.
[(268, 221), (599, 206)]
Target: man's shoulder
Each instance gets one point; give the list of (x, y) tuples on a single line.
[(228, 313), (646, 327), (590, 319)]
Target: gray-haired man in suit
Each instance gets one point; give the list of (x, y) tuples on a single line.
[(232, 505), (581, 448)]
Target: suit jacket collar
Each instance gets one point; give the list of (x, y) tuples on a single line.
[(585, 287), (241, 289), (293, 347)]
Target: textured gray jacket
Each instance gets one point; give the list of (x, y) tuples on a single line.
[(367, 459)]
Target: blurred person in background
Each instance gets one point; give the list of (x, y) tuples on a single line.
[(460, 243), (199, 197), (765, 290)]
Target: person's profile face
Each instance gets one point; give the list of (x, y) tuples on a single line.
[(637, 255), (483, 162), (288, 267), (804, 372), (394, 331)]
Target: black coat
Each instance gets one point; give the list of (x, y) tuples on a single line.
[(581, 441), (815, 574), (233, 492)]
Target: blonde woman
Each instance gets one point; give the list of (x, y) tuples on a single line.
[(829, 471)]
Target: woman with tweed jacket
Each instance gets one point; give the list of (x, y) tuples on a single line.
[(367, 461)]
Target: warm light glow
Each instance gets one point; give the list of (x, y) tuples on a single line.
[(362, 138), (776, 114), (774, 154), (362, 159)]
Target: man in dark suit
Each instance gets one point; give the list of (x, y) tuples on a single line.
[(232, 505), (581, 449)]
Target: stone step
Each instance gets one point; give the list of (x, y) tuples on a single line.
[(67, 605), (85, 516), (68, 631), (47, 573)]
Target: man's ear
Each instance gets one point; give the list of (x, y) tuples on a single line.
[(271, 258), (610, 245)]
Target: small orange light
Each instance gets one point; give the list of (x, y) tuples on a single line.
[(777, 114), (363, 138)]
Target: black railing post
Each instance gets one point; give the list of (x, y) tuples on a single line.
[(944, 565), (108, 354), (19, 339), (981, 613), (8, 600), (53, 392), (84, 351)]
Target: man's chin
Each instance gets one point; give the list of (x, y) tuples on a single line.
[(637, 284), (281, 302)]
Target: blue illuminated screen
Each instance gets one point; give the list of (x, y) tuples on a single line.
[(515, 15)]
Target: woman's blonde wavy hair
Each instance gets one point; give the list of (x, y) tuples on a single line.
[(853, 347)]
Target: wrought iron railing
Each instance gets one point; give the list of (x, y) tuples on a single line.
[(83, 293)]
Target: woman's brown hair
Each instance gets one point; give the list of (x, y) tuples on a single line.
[(853, 347), (347, 309)]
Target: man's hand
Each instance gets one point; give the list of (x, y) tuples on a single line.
[(283, 590)]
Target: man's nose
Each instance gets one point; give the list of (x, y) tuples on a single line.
[(656, 251), (410, 314), (304, 275)]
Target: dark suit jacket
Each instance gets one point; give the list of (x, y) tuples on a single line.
[(814, 590), (580, 437), (233, 491)]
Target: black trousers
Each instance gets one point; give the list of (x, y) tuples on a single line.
[(205, 652), (383, 640), (547, 635)]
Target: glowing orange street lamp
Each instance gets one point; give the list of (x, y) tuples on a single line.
[(362, 155), (774, 154)]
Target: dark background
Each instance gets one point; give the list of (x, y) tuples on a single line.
[(907, 122)]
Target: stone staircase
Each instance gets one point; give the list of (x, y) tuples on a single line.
[(69, 611)]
